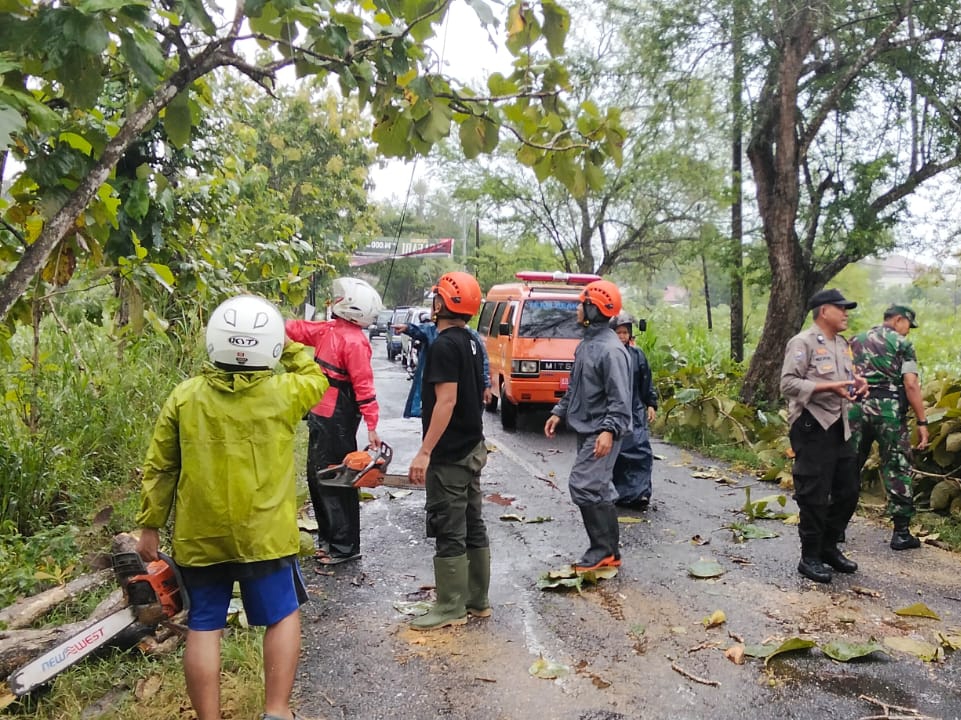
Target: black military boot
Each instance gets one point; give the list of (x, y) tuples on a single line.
[(902, 539), (811, 567), (832, 556)]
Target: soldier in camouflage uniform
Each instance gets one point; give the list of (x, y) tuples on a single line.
[(886, 358)]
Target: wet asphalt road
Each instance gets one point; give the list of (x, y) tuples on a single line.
[(633, 646)]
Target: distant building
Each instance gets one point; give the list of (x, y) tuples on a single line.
[(675, 295), (894, 270)]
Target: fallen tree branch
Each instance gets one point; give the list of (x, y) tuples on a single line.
[(704, 681), (904, 713), (25, 612)]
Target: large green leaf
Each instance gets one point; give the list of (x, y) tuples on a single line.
[(142, 51), (87, 32), (81, 76), (435, 126), (790, 645), (844, 651), (177, 120), (557, 22), (11, 123), (392, 136)]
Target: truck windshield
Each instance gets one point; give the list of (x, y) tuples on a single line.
[(550, 319)]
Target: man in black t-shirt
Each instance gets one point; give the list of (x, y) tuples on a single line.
[(451, 457)]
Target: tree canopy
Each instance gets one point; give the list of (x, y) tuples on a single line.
[(84, 81)]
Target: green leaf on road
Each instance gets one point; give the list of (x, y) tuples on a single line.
[(548, 669), (789, 645), (917, 610), (843, 651), (759, 651), (750, 532), (706, 569)]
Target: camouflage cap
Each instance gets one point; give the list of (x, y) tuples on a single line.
[(902, 310)]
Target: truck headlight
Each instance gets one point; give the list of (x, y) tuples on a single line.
[(525, 367)]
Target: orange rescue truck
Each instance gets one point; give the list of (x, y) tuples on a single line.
[(530, 330)]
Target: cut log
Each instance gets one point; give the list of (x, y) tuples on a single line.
[(18, 647), (25, 612)]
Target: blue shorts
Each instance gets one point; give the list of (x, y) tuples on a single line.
[(267, 600)]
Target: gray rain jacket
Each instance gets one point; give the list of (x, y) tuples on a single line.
[(599, 396)]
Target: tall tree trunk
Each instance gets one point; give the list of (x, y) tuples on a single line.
[(737, 198), (707, 292), (773, 152)]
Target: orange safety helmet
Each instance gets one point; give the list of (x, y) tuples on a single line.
[(604, 295), (460, 292)]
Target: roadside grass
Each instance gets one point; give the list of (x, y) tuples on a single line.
[(708, 443)]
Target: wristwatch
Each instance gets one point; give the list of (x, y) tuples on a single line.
[(922, 422)]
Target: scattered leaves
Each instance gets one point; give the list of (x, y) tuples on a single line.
[(698, 540), (566, 577)]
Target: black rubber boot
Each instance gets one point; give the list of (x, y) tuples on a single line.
[(832, 556), (597, 524), (613, 533), (902, 539)]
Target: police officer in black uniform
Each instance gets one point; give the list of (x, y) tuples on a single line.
[(819, 383)]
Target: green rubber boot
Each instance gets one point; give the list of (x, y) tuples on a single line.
[(450, 579), (478, 582)]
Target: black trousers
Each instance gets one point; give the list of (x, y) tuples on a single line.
[(825, 482), (337, 510)]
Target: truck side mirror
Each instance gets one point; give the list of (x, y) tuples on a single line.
[(504, 329), (641, 325)]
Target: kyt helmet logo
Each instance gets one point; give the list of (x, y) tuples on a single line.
[(242, 341)]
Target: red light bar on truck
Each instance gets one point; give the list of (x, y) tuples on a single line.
[(557, 276)]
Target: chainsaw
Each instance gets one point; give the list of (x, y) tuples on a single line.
[(153, 592), (363, 469)]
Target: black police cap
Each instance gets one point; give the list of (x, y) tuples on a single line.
[(831, 296)]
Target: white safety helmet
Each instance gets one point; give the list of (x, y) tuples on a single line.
[(246, 331), (355, 301)]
